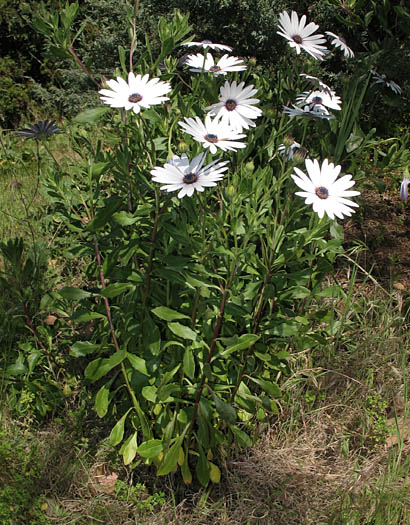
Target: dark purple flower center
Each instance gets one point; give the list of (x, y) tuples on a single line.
[(297, 39), (190, 178), (134, 98), (322, 192), (211, 138), (317, 100), (230, 104), (215, 69)]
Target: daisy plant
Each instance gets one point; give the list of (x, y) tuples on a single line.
[(200, 257)]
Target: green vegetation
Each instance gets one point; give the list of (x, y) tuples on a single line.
[(227, 355)]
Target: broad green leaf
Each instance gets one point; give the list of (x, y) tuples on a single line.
[(117, 433), (80, 316), (138, 363), (83, 348), (185, 471), (167, 314), (171, 457), (150, 449), (101, 399), (130, 450), (90, 115), (32, 360), (101, 366), (16, 369), (75, 294), (240, 343), (124, 218), (115, 289), (225, 410), (150, 393), (242, 437), (164, 392), (182, 331), (202, 468), (189, 363), (214, 473), (268, 386)]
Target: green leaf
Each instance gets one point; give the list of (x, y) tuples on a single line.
[(101, 366), (150, 449), (130, 450), (117, 433), (167, 314), (104, 214), (242, 437), (90, 115), (182, 331), (115, 289), (83, 348), (225, 410), (189, 363), (16, 369), (124, 218), (268, 386), (150, 393), (202, 468), (101, 399), (171, 457), (138, 364), (75, 294), (240, 343)]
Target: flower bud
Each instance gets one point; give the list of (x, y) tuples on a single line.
[(270, 113), (300, 155), (230, 191), (182, 146), (250, 167), (288, 140), (252, 61)]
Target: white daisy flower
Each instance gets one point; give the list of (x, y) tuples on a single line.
[(208, 44), (323, 191), (213, 134), (235, 106), (180, 174), (319, 98), (301, 37), (199, 63), (288, 151), (381, 79), (404, 189), (339, 41), (139, 92), (316, 111), (316, 82)]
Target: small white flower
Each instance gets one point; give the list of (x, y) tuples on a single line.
[(404, 189), (316, 82), (139, 92), (339, 41), (381, 79), (213, 134), (315, 111), (319, 98), (225, 64), (288, 151), (180, 174), (208, 44), (235, 107), (301, 37), (323, 191)]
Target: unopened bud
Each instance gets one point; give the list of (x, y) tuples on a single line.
[(250, 167), (288, 140), (300, 155), (182, 146), (230, 191), (270, 113), (252, 61)]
